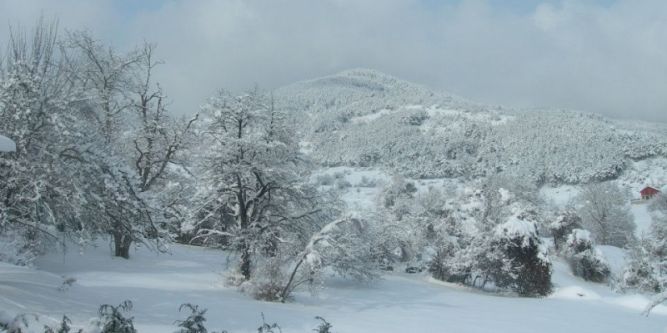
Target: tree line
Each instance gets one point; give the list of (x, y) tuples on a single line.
[(99, 154)]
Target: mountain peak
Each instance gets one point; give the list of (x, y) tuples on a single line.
[(361, 86)]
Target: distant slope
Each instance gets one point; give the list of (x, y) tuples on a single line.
[(367, 118)]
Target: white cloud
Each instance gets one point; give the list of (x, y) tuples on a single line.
[(610, 59)]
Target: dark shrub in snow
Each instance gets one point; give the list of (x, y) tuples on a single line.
[(445, 267), (65, 326), (194, 323), (113, 320), (584, 259), (342, 184), (324, 327), (518, 261)]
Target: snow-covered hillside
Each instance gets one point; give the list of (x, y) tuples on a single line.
[(400, 302), (366, 118)]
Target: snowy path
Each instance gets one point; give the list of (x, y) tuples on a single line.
[(399, 303)]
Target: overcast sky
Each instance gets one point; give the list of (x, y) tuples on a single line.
[(604, 56)]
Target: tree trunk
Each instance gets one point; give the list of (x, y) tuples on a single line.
[(286, 290), (245, 261), (122, 244)]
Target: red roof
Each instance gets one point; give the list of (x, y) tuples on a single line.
[(649, 191)]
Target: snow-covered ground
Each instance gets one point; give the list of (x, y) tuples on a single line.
[(642, 217), (6, 144), (158, 284), (399, 302), (559, 196), (363, 185)]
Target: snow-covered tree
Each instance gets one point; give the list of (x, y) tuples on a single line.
[(39, 104), (106, 76), (659, 206), (516, 258), (644, 271), (411, 225), (496, 243), (254, 197), (158, 139), (341, 245), (396, 225), (585, 260), (157, 145), (647, 261), (67, 106), (604, 210), (131, 146), (563, 226)]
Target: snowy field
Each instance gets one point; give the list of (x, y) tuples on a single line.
[(399, 302), (158, 284)]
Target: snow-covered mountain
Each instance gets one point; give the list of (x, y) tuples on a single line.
[(367, 118)]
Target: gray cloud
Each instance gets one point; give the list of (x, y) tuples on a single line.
[(610, 59)]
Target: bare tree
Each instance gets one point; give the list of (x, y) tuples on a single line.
[(603, 208), (159, 138), (116, 85), (106, 76)]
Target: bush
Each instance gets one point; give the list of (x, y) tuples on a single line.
[(65, 327), (267, 284), (397, 190), (585, 261), (18, 324), (444, 266), (324, 327), (194, 323), (267, 291), (517, 259), (266, 328), (415, 118), (16, 249), (325, 180), (342, 184), (563, 226), (112, 320), (367, 182)]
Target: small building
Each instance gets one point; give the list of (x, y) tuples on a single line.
[(648, 193)]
